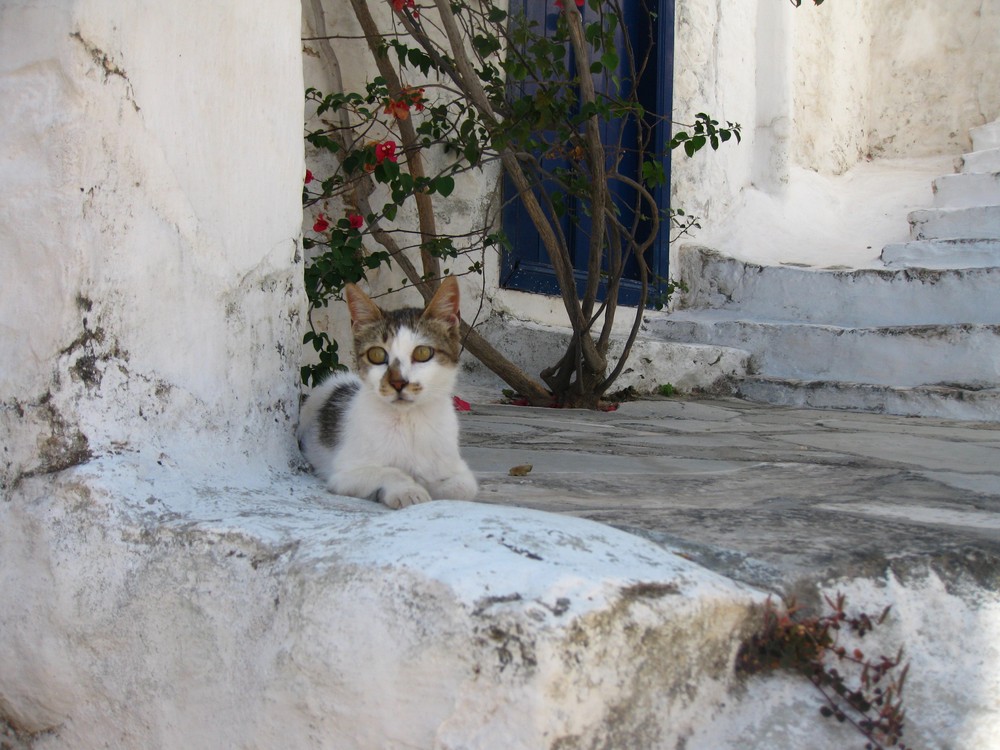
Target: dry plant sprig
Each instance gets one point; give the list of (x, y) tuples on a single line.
[(864, 691)]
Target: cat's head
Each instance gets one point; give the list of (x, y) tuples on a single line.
[(407, 356)]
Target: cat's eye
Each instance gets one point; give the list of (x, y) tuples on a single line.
[(423, 353), (377, 355)]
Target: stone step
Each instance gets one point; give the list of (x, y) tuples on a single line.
[(944, 253), (914, 355), (849, 298), (653, 362), (986, 136), (967, 189), (977, 222), (987, 160), (270, 613), (942, 402)]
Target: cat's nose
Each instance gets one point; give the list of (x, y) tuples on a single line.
[(398, 383)]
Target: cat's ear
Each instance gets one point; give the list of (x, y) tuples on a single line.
[(363, 310), (444, 304)]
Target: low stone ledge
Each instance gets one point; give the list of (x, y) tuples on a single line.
[(702, 368), (146, 606)]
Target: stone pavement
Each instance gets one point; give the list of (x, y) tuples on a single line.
[(781, 498)]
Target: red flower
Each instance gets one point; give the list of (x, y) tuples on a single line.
[(386, 150), (398, 109), (321, 224), (460, 404), (400, 4), (356, 221), (309, 177), (415, 97), (559, 3)]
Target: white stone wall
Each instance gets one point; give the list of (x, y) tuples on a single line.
[(891, 79), (935, 74), (149, 224), (831, 57)]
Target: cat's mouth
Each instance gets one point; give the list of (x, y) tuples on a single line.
[(399, 397), (402, 395)]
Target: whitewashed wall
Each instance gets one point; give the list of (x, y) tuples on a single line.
[(935, 74), (149, 223), (897, 78)]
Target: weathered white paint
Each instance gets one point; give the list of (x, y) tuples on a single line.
[(903, 338), (898, 80), (956, 707), (141, 608), (152, 290), (166, 581), (182, 588), (977, 222), (933, 75)]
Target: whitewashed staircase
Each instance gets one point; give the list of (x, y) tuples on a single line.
[(918, 337), (962, 230)]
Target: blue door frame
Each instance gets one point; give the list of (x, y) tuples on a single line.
[(525, 265)]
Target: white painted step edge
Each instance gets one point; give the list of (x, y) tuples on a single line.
[(987, 160), (986, 136), (975, 222), (943, 253), (937, 401), (965, 190)]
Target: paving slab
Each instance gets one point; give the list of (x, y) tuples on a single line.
[(781, 498)]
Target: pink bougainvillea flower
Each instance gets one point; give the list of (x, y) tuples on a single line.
[(460, 404), (309, 177), (383, 151), (356, 221), (321, 224), (386, 150)]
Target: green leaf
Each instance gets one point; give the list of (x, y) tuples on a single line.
[(472, 153), (445, 185), (653, 173)]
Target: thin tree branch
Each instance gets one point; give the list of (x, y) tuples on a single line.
[(407, 133)]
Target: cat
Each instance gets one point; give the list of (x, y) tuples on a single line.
[(390, 432)]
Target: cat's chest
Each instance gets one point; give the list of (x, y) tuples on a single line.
[(407, 434)]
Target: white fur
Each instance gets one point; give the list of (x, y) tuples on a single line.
[(401, 451)]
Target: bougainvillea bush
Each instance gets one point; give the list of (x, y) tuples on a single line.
[(459, 86)]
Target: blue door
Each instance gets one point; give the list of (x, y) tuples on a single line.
[(525, 266)]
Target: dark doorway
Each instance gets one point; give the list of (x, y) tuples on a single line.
[(649, 25)]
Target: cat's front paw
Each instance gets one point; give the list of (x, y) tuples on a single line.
[(402, 495), (461, 486)]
